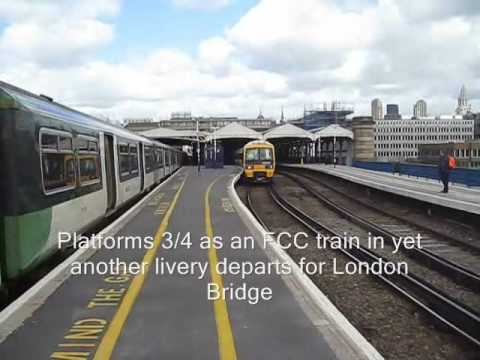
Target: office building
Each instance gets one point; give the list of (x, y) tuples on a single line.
[(420, 109), (393, 112), (463, 107), (398, 140), (185, 121), (140, 124), (377, 110), (477, 126)]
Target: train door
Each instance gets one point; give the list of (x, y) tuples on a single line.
[(142, 171), (110, 172)]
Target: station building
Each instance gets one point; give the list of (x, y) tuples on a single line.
[(230, 139), (332, 144), (184, 121)]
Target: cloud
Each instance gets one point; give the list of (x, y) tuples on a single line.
[(279, 53), (330, 48), (52, 10), (202, 4), (55, 33), (161, 83), (215, 55), (54, 44), (435, 9)]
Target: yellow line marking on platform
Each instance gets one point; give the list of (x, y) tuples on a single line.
[(109, 340), (226, 342)]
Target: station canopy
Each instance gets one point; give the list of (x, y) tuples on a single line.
[(288, 131), (235, 131), (171, 134), (335, 131)]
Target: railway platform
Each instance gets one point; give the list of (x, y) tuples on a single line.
[(459, 197), (158, 306)]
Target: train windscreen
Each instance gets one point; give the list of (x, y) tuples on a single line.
[(259, 156)]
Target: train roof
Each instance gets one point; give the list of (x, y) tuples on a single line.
[(47, 106), (259, 142)]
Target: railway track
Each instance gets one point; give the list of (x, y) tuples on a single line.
[(452, 314), (440, 252)]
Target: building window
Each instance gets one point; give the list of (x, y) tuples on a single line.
[(57, 161)]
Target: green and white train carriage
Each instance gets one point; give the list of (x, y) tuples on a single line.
[(63, 170)]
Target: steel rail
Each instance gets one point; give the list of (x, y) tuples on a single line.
[(450, 268), (455, 316), (312, 176), (253, 210)]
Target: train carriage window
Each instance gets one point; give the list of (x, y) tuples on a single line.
[(88, 160), (49, 141), (160, 158), (93, 146), (124, 160), (128, 159), (57, 161), (65, 143), (82, 144), (155, 151), (149, 159), (133, 159)]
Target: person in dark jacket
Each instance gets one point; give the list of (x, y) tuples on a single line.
[(444, 171)]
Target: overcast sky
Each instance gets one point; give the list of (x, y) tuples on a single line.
[(232, 57)]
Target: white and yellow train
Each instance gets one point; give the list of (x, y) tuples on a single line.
[(258, 161)]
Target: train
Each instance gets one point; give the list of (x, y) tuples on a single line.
[(63, 170), (258, 161)]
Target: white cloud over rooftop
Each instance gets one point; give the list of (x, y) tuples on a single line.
[(279, 53)]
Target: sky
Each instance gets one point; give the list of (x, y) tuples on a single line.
[(149, 58)]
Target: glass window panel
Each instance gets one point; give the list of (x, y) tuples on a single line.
[(124, 164), (82, 144), (93, 146), (58, 170), (133, 160), (65, 143), (89, 169), (49, 141), (123, 148)]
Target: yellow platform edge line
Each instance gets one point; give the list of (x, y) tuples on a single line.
[(226, 342), (109, 340)]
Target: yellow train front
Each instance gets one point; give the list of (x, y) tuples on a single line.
[(258, 161)]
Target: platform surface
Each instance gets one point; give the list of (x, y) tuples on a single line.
[(155, 316), (459, 197)]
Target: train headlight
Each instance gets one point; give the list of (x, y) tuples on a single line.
[(269, 166), (249, 167)]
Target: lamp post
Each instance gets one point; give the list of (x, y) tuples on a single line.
[(215, 145), (335, 142), (198, 147)]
